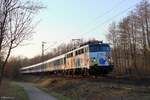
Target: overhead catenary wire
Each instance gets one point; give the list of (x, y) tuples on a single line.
[(106, 21), (110, 10), (105, 13)]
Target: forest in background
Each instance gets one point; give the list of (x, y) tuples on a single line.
[(130, 39)]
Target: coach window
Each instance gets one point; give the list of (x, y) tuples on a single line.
[(67, 55), (79, 52), (61, 61), (82, 51), (75, 52), (70, 55), (64, 60), (85, 50)]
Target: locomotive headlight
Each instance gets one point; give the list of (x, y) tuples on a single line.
[(109, 60), (94, 60)]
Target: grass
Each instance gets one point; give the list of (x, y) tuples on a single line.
[(11, 89), (60, 96)]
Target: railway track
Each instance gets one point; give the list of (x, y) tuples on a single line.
[(80, 77)]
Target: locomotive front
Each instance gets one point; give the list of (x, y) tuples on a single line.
[(100, 58)]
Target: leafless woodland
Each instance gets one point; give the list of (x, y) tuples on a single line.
[(130, 40)]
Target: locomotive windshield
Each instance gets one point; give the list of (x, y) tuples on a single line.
[(99, 48)]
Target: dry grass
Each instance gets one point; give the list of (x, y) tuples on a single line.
[(78, 89)]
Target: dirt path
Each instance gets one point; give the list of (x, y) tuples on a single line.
[(35, 93)]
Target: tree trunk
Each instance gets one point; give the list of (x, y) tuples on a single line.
[(4, 64)]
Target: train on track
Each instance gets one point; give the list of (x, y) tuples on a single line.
[(90, 58)]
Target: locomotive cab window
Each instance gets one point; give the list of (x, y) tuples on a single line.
[(105, 47), (99, 48)]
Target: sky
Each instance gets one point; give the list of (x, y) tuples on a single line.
[(64, 20)]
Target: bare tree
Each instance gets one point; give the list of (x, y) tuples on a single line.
[(112, 38), (15, 26)]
